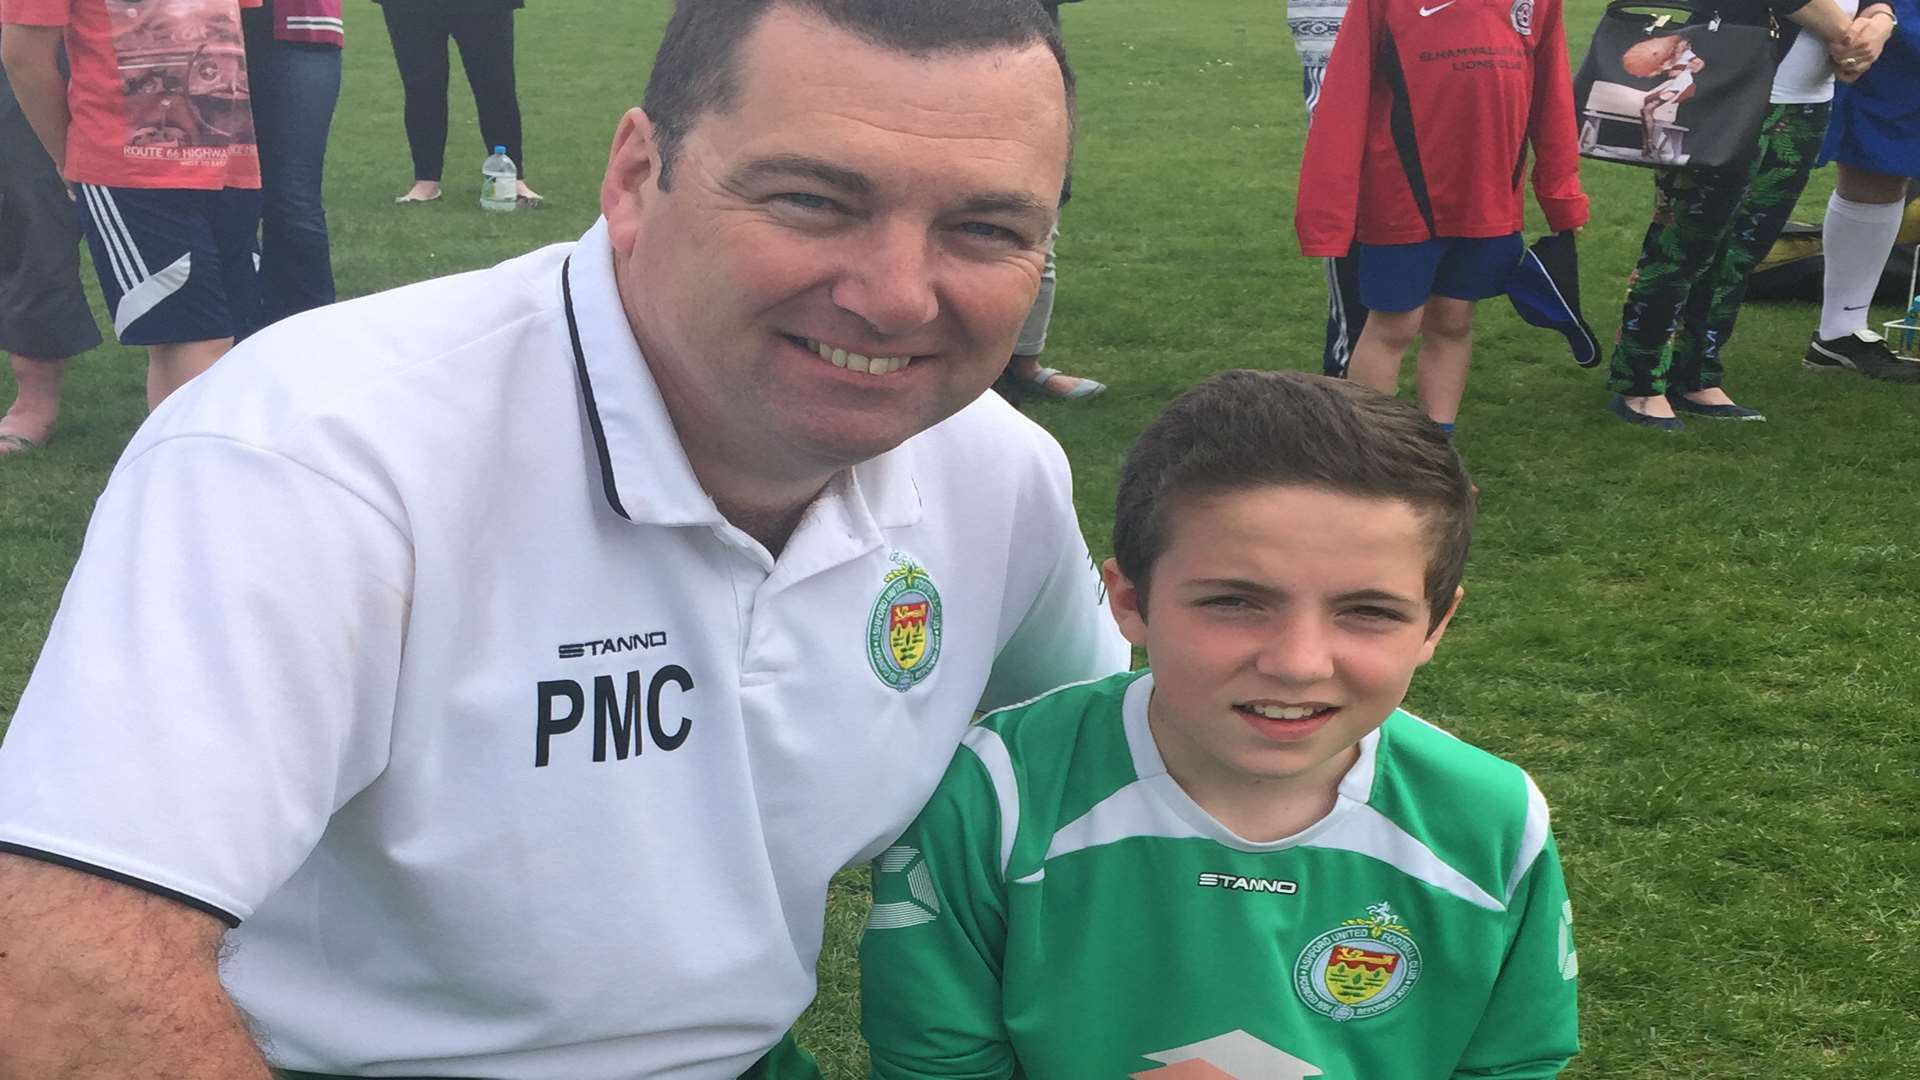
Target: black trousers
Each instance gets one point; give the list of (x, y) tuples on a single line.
[(484, 31)]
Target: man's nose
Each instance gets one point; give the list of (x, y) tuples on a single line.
[(889, 283)]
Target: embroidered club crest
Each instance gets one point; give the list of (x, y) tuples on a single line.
[(1361, 968), (1521, 15), (903, 631)]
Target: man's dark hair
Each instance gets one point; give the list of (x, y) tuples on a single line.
[(1250, 429), (697, 70)]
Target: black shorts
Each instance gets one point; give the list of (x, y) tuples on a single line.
[(43, 309), (175, 265)]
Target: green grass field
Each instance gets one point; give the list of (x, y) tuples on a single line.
[(1702, 647)]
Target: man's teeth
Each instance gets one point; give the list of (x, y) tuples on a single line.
[(1276, 712), (871, 365)]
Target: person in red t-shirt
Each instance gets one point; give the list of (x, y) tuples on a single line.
[(1415, 161), (155, 131)]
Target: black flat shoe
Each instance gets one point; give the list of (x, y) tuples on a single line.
[(1619, 407), (1716, 412)]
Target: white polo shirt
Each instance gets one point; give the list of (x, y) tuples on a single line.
[(406, 640)]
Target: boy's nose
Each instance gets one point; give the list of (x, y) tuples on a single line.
[(1298, 651)]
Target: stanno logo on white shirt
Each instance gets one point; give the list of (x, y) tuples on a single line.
[(1435, 10), (652, 639), (1236, 883)]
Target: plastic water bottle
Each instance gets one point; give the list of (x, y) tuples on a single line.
[(499, 182)]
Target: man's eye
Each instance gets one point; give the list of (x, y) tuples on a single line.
[(806, 200), (1378, 614), (987, 230)]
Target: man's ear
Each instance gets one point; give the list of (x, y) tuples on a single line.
[(633, 166), (1440, 628), (1124, 600)]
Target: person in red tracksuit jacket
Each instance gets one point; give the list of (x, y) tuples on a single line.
[(1415, 160)]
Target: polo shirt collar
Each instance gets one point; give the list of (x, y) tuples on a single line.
[(643, 470)]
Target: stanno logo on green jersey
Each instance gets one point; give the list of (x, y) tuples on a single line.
[(1361, 968), (903, 631), (1238, 883)]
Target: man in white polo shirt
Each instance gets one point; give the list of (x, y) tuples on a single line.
[(513, 658)]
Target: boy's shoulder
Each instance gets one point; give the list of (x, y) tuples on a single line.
[(1056, 756), (1077, 723), (1478, 812), (1428, 756), (1043, 719)]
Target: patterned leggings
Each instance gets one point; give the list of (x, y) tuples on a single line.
[(1709, 229)]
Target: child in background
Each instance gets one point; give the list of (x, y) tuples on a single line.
[(1247, 862), (1415, 160)]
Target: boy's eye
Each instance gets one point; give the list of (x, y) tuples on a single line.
[(1373, 613), (1228, 602)]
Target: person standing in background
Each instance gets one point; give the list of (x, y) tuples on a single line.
[(1025, 376), (43, 310), (1415, 169), (484, 31), (293, 56), (158, 138), (1710, 226), (1314, 24), (1875, 140)]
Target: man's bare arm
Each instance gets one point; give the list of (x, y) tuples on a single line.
[(31, 56), (101, 981)]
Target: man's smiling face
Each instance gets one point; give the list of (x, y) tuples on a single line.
[(845, 254)]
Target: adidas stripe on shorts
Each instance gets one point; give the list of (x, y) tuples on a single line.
[(175, 265)]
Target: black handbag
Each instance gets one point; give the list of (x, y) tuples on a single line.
[(1669, 86)]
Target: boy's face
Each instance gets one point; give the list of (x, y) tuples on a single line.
[(1286, 623)]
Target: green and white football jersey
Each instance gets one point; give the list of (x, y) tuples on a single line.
[(1062, 909)]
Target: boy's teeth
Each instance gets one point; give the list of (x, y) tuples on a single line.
[(871, 365), (1275, 712)]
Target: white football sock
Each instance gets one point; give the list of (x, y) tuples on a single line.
[(1856, 240)]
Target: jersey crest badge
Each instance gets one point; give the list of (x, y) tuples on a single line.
[(1361, 968), (1521, 15), (903, 631)]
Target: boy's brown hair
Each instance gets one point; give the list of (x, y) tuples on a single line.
[(1246, 429)]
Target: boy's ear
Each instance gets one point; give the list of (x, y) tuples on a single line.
[(1123, 599), (1440, 628)]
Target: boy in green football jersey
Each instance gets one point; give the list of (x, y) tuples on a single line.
[(1246, 863)]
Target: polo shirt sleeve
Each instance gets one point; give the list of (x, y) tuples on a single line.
[(1065, 632), (219, 679)]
